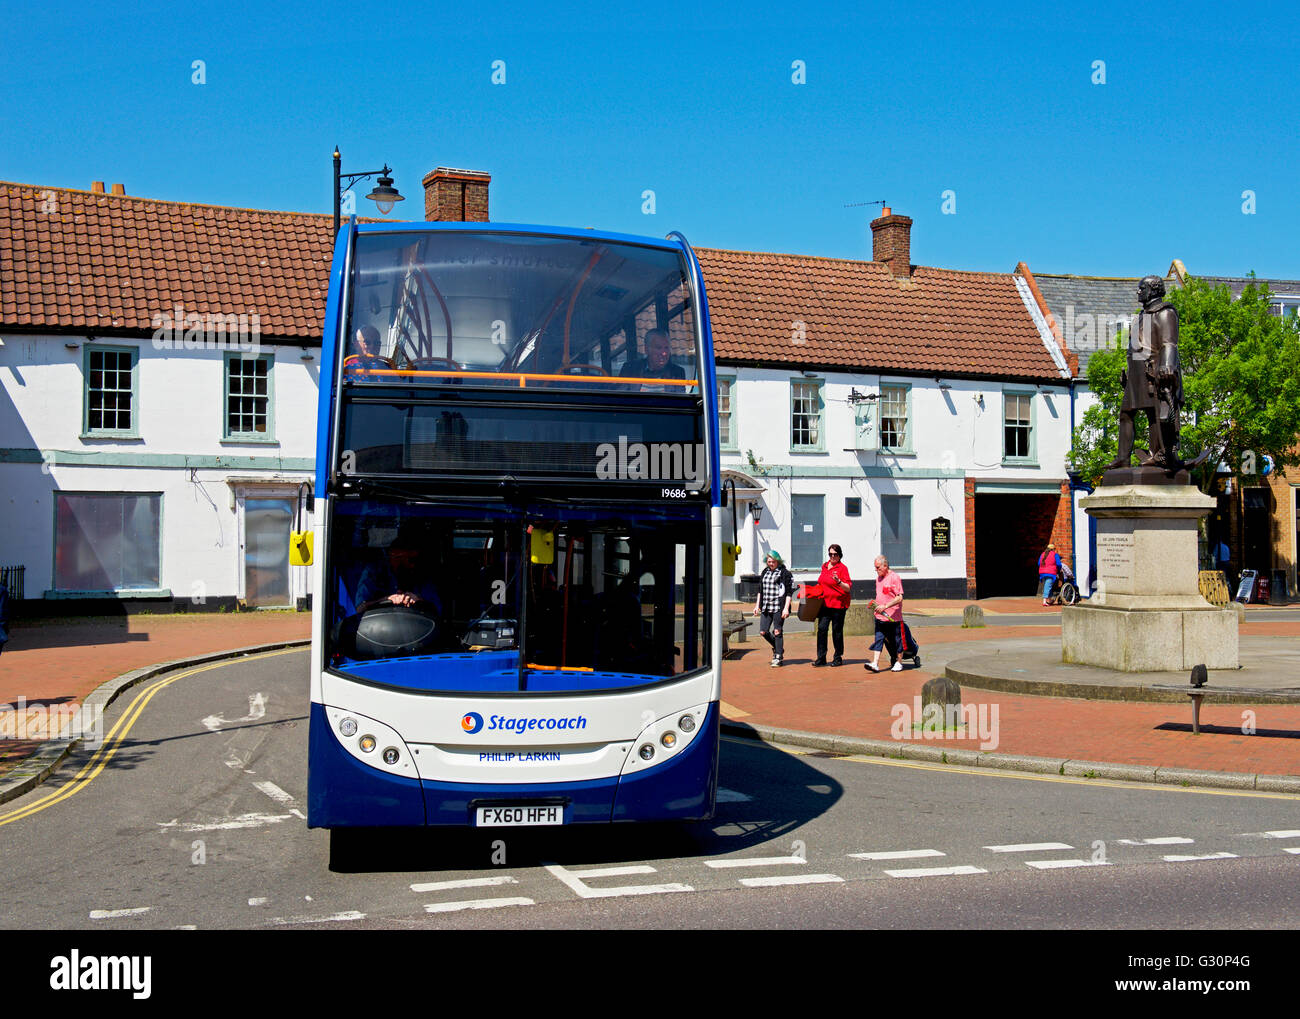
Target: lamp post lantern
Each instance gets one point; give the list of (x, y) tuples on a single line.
[(384, 195)]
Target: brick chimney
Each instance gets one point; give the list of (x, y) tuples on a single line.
[(459, 196), (891, 242)]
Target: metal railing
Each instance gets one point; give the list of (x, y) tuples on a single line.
[(12, 578)]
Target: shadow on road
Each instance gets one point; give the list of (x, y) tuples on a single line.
[(764, 796)]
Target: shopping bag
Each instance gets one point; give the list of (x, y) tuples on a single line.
[(811, 605)]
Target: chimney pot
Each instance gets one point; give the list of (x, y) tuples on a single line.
[(456, 196), (97, 187), (118, 189)]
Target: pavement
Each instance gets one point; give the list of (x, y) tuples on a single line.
[(1021, 708)]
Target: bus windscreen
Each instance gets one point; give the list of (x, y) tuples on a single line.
[(439, 599), (493, 309)]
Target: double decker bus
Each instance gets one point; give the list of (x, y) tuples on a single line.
[(517, 607)]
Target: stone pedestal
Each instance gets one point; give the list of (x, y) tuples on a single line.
[(1148, 614)]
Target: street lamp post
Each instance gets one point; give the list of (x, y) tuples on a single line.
[(384, 194)]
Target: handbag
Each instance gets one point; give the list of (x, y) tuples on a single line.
[(811, 604)]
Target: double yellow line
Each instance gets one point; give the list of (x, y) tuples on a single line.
[(113, 741)]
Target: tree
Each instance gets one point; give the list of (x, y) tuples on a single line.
[(1241, 386)]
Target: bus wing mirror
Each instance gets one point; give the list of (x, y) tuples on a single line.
[(300, 548), (541, 547)]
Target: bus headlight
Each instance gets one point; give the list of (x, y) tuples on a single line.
[(391, 755), (647, 751), (348, 727), (686, 723), (367, 744), (668, 739)]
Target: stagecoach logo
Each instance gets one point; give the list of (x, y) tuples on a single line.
[(472, 722), (656, 461)]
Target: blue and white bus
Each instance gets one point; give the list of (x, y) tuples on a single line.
[(517, 531)]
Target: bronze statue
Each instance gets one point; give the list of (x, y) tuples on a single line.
[(1153, 382)]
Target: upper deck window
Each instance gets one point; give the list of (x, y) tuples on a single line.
[(462, 308)]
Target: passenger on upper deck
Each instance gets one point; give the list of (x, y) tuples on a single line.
[(365, 351), (656, 364)]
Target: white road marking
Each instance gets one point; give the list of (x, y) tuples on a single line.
[(227, 823), (1208, 856), (1167, 840), (731, 796), (258, 901), (1057, 864), (755, 861), (274, 791), (638, 868), (256, 710), (350, 914), (452, 907), (473, 882), (898, 854), (298, 814), (1028, 847), (935, 871), (789, 879), (823, 790), (575, 881), (186, 927), (117, 914), (1295, 850), (1293, 833)]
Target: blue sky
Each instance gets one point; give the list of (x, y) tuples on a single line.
[(902, 102)]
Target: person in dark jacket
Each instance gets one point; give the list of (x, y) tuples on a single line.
[(775, 588)]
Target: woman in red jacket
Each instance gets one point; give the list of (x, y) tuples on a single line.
[(835, 585)]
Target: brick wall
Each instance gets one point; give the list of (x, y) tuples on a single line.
[(1284, 536)]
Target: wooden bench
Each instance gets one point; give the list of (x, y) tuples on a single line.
[(1255, 694), (734, 625)]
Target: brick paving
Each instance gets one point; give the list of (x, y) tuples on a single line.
[(850, 701)]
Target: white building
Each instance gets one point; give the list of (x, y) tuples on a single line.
[(887, 407), (158, 381)]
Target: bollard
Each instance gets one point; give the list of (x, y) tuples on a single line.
[(971, 616)]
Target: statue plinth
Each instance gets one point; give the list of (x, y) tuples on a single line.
[(1148, 614)]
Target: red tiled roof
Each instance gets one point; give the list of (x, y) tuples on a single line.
[(80, 260), (857, 315)]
